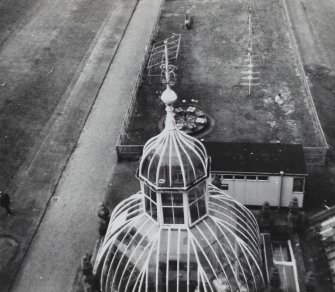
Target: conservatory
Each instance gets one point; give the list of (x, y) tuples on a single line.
[(179, 232)]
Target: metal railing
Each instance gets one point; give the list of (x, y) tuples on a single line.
[(125, 151)]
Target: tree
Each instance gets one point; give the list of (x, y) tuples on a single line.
[(104, 216), (265, 222), (310, 281), (274, 281), (89, 281)]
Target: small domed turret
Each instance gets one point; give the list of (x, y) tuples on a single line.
[(173, 159)]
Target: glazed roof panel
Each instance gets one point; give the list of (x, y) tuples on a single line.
[(220, 252)]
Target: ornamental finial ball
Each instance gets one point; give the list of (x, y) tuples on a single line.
[(168, 96)]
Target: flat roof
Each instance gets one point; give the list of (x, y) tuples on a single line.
[(256, 157)]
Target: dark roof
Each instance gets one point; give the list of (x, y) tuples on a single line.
[(256, 157)]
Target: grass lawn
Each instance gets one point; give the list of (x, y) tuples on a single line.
[(37, 64), (210, 63)]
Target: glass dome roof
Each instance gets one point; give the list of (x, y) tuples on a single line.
[(219, 253), (173, 159), (180, 233)]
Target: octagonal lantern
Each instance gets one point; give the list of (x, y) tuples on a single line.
[(173, 159)]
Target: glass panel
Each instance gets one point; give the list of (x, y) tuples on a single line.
[(172, 199), (263, 178), (162, 266), (177, 199), (205, 262), (128, 237), (153, 169), (196, 192), (226, 176), (173, 260), (202, 207), (173, 202), (199, 169), (168, 215), (197, 203), (132, 210), (194, 212), (177, 176), (147, 205), (192, 196), (251, 177), (152, 272), (189, 174), (173, 160), (150, 206), (137, 238), (127, 273), (239, 176), (121, 263), (153, 196), (178, 215), (154, 211), (183, 270), (298, 184), (166, 199), (163, 176), (173, 215), (172, 275), (145, 164)]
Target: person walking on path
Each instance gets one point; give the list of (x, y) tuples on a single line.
[(5, 202)]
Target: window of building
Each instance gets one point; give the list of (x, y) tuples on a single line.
[(172, 206), (197, 202), (239, 177), (298, 184), (224, 187), (251, 177), (228, 176), (263, 178), (150, 202), (177, 176)]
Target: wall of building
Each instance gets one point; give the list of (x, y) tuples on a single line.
[(256, 191)]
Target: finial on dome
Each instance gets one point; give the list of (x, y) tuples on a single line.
[(168, 96)]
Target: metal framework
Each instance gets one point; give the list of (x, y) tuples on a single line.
[(173, 158), (219, 253), (180, 233), (157, 57), (254, 47), (250, 77)]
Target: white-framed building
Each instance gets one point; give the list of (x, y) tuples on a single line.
[(179, 233), (253, 173)]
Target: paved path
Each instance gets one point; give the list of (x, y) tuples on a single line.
[(37, 180), (68, 229)]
